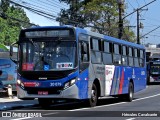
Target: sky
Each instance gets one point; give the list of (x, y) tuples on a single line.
[(149, 16)]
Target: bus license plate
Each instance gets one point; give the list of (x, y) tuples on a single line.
[(42, 92)]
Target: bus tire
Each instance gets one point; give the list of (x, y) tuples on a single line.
[(129, 96), (45, 102), (94, 96)]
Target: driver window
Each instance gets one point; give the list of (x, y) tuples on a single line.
[(84, 52)]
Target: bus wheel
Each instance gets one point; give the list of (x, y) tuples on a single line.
[(129, 96), (45, 102), (94, 96)]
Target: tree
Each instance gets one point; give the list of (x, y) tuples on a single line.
[(10, 27), (100, 15)]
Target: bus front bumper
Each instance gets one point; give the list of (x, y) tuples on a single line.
[(69, 93)]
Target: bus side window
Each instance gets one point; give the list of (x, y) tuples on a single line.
[(130, 56), (96, 56), (136, 61), (124, 55), (141, 59), (117, 54), (84, 52), (84, 55), (107, 53)]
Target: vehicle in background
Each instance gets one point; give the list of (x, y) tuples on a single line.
[(65, 62), (153, 69), (8, 70)]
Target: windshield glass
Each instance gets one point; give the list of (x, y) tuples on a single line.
[(48, 56)]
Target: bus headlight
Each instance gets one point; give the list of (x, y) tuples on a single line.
[(18, 82), (70, 83)]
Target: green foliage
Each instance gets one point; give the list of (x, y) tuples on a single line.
[(9, 27), (101, 15), (3, 47)]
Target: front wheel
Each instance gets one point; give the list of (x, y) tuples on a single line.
[(94, 96)]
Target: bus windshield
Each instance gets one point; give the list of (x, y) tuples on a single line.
[(48, 55), (155, 69)]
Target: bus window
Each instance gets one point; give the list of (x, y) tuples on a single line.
[(84, 55), (130, 54), (117, 54), (136, 62), (84, 52), (96, 53), (124, 55), (141, 59), (107, 54)]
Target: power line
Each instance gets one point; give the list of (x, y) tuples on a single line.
[(150, 31), (56, 3), (6, 17), (131, 4), (32, 9), (42, 13), (37, 7)]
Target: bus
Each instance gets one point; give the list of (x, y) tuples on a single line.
[(153, 69), (71, 63), (8, 70)]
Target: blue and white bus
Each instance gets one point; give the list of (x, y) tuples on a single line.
[(8, 69), (65, 62), (153, 69)]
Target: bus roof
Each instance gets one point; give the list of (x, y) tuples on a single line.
[(80, 30), (109, 38)]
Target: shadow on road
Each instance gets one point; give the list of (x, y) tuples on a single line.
[(156, 83), (79, 105)]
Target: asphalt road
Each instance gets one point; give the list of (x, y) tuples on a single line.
[(145, 103)]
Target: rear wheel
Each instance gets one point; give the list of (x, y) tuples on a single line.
[(129, 96), (45, 102)]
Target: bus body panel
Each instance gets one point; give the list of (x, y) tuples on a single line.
[(53, 88), (69, 93), (113, 79)]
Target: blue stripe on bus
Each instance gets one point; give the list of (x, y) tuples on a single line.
[(82, 84)]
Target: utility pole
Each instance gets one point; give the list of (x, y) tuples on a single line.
[(138, 40), (139, 25), (137, 10), (120, 25)]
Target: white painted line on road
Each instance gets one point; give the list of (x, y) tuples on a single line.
[(22, 118), (98, 106), (147, 97), (131, 119), (115, 103)]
